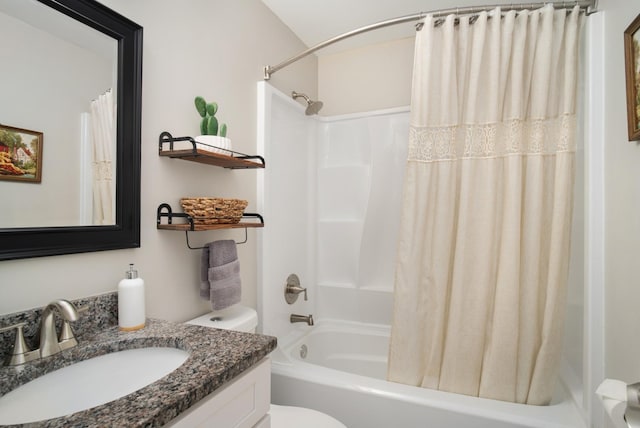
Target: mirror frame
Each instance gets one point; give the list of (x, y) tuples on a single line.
[(18, 243)]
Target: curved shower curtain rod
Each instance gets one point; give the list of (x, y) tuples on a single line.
[(589, 6)]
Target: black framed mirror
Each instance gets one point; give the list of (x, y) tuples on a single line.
[(24, 242)]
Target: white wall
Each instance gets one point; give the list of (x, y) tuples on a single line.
[(615, 201), (622, 204), (213, 48), (364, 79)]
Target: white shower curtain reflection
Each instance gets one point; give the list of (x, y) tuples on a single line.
[(484, 240), (103, 136)]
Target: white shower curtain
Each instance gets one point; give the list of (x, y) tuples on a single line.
[(103, 133), (484, 243)]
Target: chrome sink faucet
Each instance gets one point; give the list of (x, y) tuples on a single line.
[(49, 343), (301, 318)]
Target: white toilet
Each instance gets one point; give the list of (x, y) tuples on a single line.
[(242, 318)]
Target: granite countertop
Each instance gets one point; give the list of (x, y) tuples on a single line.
[(216, 357)]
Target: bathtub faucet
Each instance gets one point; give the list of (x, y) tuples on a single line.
[(301, 318)]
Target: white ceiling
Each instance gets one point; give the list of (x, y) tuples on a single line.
[(315, 21)]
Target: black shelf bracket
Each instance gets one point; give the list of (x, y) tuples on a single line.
[(167, 138), (165, 211)]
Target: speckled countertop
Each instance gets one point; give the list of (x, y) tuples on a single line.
[(216, 357)]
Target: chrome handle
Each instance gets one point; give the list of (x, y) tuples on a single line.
[(11, 327), (20, 353), (292, 289), (67, 338), (297, 290)]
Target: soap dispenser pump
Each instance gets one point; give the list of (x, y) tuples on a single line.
[(131, 309)]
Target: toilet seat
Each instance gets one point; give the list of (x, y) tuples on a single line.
[(296, 417)]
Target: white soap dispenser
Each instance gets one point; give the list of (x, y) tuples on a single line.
[(131, 310)]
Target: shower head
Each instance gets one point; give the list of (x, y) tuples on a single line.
[(313, 107)]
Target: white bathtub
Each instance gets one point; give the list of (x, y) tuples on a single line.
[(343, 375)]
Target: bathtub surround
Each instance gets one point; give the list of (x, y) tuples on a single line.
[(331, 192), (483, 254)]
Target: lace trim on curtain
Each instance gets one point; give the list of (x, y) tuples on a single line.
[(477, 141)]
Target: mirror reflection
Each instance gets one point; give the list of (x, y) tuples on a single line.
[(58, 80)]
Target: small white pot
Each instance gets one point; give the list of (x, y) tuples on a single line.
[(213, 143)]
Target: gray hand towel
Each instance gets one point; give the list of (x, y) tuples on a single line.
[(225, 285), (204, 273), (220, 274)]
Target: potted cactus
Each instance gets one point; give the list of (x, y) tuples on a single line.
[(213, 135)]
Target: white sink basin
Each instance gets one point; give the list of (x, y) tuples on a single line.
[(88, 383)]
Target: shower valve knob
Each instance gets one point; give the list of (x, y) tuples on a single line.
[(292, 289)]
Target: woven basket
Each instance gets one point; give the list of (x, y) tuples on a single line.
[(214, 210)]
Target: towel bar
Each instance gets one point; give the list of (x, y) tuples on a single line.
[(186, 233)]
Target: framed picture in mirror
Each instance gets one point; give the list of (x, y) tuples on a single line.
[(632, 66), (20, 154)]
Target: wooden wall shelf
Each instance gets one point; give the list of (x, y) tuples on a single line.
[(202, 227), (230, 159), (188, 224), (187, 148)]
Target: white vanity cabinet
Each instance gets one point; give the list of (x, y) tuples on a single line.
[(243, 403)]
